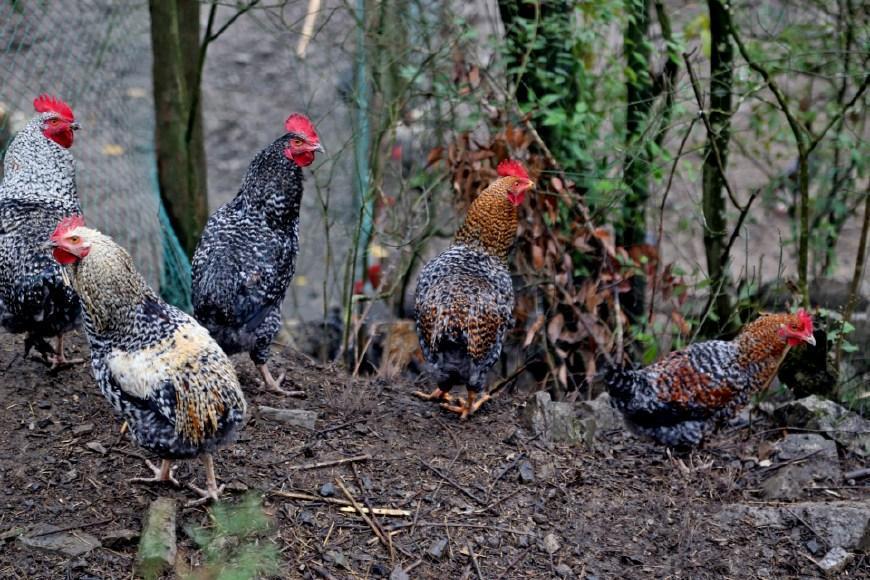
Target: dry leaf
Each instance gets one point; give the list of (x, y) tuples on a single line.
[(554, 327)]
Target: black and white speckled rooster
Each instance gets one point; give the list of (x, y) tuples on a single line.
[(464, 299), (159, 369), (247, 255), (38, 189)]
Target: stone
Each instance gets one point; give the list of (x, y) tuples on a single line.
[(157, 544), (115, 538), (835, 560), (96, 447), (842, 523), (564, 571), (399, 573), (602, 412), (437, 548), (549, 544), (553, 421), (83, 429), (848, 429), (294, 417), (327, 490), (337, 557), (69, 543), (816, 462), (527, 472)]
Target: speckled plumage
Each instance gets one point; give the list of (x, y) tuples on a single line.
[(464, 299), (38, 189), (159, 369), (247, 256), (687, 394)]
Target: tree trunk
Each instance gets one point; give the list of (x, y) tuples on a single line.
[(181, 167), (713, 200)]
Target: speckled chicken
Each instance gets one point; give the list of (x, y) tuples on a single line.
[(247, 255), (38, 189), (159, 369), (687, 394), (464, 299)]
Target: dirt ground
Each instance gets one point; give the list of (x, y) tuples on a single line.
[(621, 508)]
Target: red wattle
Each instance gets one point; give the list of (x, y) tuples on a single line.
[(63, 257)]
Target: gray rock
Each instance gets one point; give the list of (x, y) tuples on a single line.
[(157, 545), (96, 447), (83, 429), (602, 412), (527, 472), (549, 544), (399, 573), (835, 560), (843, 523), (295, 417), (816, 461), (553, 421), (843, 426), (70, 543), (437, 548), (564, 571), (327, 490), (337, 557), (120, 537)]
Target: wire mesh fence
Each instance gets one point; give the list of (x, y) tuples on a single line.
[(95, 55)]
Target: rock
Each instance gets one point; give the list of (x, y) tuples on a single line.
[(96, 447), (843, 523), (157, 547), (527, 472), (843, 426), (295, 417), (549, 544), (120, 537), (337, 557), (70, 543), (564, 571), (602, 412), (436, 548), (553, 421), (237, 486), (813, 546), (83, 429), (816, 461), (327, 490), (835, 560), (399, 573)]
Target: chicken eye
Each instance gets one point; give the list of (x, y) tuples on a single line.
[(296, 142), (74, 239)]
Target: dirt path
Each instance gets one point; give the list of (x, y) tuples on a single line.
[(621, 509)]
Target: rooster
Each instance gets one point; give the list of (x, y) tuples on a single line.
[(247, 255), (159, 369), (38, 189), (464, 299), (679, 399)]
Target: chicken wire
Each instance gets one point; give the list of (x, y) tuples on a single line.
[(91, 53)]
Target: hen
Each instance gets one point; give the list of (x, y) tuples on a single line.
[(38, 189), (464, 299), (247, 255), (681, 398), (159, 369)]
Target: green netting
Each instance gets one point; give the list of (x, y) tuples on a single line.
[(95, 54)]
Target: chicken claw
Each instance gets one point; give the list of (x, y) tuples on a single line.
[(437, 395), (161, 474), (58, 360), (272, 384), (212, 491), (467, 407)]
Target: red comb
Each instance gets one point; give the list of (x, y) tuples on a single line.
[(300, 124), (806, 320), (45, 103), (67, 224), (512, 168)]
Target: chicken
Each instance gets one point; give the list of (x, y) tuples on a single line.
[(38, 189), (684, 396), (247, 255), (464, 299), (159, 369)]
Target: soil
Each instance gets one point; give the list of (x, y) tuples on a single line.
[(621, 508)]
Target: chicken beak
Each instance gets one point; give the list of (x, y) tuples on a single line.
[(75, 126), (811, 340), (319, 147)]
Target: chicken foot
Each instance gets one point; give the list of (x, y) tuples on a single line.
[(272, 384), (212, 490), (436, 395), (467, 407), (58, 359), (161, 474)]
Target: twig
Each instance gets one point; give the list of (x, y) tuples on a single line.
[(348, 424), (857, 474), (321, 464), (71, 527), (789, 462), (855, 284), (390, 512), (809, 527), (346, 506), (372, 512), (450, 480), (514, 562), (460, 525), (504, 471), (387, 543), (509, 379), (499, 501), (474, 559)]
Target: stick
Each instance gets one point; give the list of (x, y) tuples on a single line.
[(514, 562), (857, 474), (473, 559), (71, 527), (387, 543), (347, 424), (347, 507), (458, 525), (392, 512), (368, 505), (504, 471), (364, 457), (508, 379), (497, 502), (449, 480)]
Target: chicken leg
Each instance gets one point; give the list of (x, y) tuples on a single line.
[(161, 474), (272, 384), (436, 395), (58, 359), (469, 406), (212, 491)]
